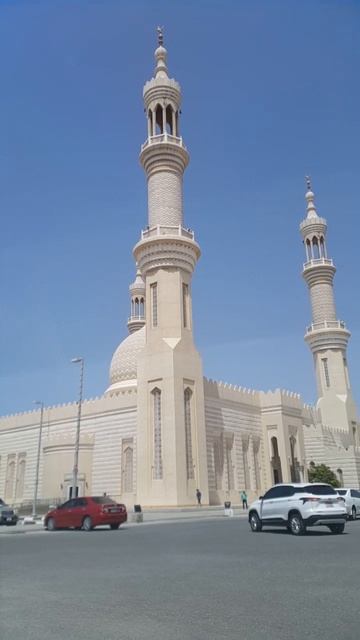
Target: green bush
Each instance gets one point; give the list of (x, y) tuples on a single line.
[(322, 473)]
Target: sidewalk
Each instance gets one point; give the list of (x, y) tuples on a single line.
[(150, 516)]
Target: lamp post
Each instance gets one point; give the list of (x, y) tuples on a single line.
[(41, 405), (77, 436)]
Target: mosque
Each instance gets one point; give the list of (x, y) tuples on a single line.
[(161, 429)]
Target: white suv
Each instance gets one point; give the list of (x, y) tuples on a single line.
[(297, 506), (352, 501)]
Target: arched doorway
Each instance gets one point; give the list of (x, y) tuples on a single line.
[(275, 461)]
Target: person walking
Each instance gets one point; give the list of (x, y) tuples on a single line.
[(244, 499), (198, 496)]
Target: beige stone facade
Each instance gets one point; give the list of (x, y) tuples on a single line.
[(162, 430)]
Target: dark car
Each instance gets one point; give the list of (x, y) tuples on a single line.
[(86, 513), (7, 514)]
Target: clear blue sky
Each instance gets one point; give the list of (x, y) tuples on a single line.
[(270, 93)]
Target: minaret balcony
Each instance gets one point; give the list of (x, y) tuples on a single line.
[(316, 262), (161, 230), (163, 246), (136, 318), (163, 137), (326, 324)]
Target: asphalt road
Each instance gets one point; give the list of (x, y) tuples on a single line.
[(188, 581)]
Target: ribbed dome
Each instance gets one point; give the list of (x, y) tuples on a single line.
[(123, 366)]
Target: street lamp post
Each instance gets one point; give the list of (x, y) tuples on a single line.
[(41, 405), (77, 436)]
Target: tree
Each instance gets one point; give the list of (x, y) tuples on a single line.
[(322, 473)]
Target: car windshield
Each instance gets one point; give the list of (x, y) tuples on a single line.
[(2, 503), (342, 492), (103, 500), (320, 490)]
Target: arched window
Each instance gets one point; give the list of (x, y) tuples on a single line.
[(157, 466), (308, 249), (150, 123), (159, 125), (275, 461), (185, 305), (218, 464), (229, 466), (20, 480), (142, 307), (137, 307), (154, 305), (322, 247), (128, 470), (294, 471), (188, 436), (169, 120), (274, 446), (10, 479), (316, 250), (256, 447), (245, 455)]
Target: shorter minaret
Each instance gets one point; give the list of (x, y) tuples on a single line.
[(327, 336), (137, 301)]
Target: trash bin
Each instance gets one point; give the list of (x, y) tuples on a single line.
[(138, 514), (227, 509)]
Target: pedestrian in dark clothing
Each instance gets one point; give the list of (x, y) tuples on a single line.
[(198, 496)]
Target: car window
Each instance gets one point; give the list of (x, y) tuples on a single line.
[(64, 505), (354, 493), (69, 504), (342, 492), (103, 500), (275, 492), (79, 502), (285, 491), (320, 490)]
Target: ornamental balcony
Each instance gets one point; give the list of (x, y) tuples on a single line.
[(315, 262), (161, 230), (163, 137), (140, 318), (326, 324)]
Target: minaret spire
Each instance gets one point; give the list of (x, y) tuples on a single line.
[(311, 211), (160, 36)]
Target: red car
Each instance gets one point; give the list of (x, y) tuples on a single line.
[(86, 513)]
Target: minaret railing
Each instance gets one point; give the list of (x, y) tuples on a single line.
[(167, 230), (326, 324), (318, 261), (163, 137)]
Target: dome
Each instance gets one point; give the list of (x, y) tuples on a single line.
[(123, 368)]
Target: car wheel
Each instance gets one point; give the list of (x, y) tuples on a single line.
[(255, 522), (337, 528), (353, 513), (87, 524), (115, 525), (50, 525), (296, 525)]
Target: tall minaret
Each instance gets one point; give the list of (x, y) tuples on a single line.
[(171, 442), (327, 336)]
